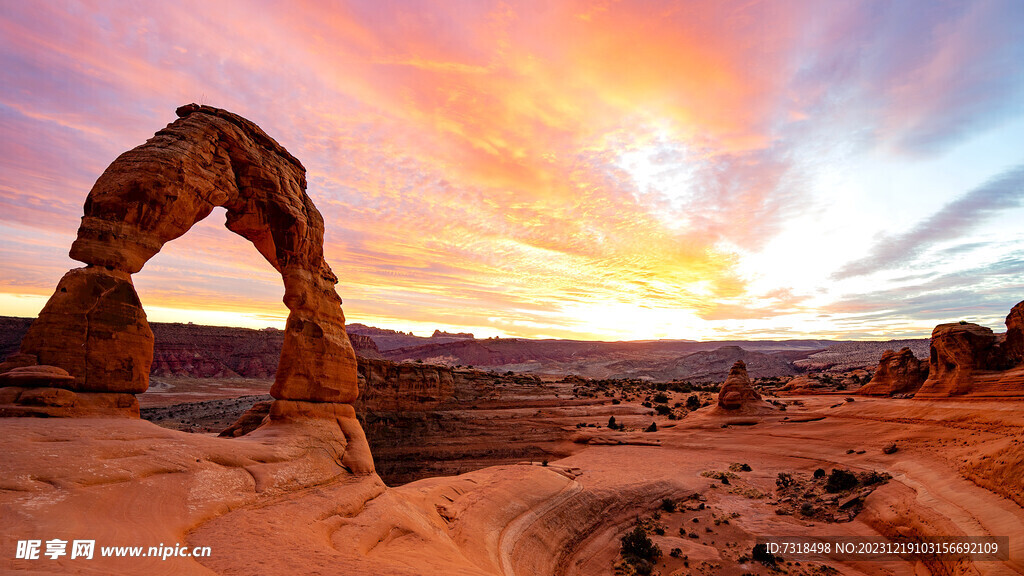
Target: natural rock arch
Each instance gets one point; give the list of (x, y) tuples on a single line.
[(94, 326)]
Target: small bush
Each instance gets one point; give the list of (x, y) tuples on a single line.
[(693, 402), (761, 554), (784, 480), (668, 505), (660, 398), (819, 473), (840, 480), (612, 424), (676, 553), (637, 545), (662, 409)]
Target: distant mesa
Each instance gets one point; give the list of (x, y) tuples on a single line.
[(459, 335), (897, 373)]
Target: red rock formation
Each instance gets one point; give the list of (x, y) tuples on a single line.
[(94, 326), (959, 352), (897, 373), (737, 392), (392, 386), (1014, 344)]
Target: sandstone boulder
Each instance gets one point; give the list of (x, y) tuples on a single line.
[(252, 419), (897, 373), (36, 377)]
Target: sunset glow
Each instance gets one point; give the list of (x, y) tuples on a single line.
[(593, 170)]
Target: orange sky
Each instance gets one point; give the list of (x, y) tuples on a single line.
[(613, 170)]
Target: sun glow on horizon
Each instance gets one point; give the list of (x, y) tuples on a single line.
[(574, 169)]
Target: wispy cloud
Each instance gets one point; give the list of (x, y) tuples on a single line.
[(1003, 192), (513, 167)]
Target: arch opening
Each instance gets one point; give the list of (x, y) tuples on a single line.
[(94, 326)]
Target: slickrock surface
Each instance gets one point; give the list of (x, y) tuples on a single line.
[(897, 373), (269, 502)]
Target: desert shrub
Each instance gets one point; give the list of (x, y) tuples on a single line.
[(761, 554), (819, 473), (784, 480), (693, 402), (660, 398), (683, 387), (738, 467), (638, 545), (616, 401), (611, 423), (676, 553), (668, 505), (840, 480), (662, 409)]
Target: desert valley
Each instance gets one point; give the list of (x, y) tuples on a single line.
[(327, 448)]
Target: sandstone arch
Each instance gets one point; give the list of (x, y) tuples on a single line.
[(94, 326)]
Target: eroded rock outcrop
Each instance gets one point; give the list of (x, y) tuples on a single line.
[(737, 392), (897, 373), (1014, 344), (94, 326), (958, 352), (971, 360)]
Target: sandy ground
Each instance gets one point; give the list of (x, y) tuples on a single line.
[(283, 504)]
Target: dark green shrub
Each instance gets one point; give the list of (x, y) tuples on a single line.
[(637, 545), (693, 402)]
